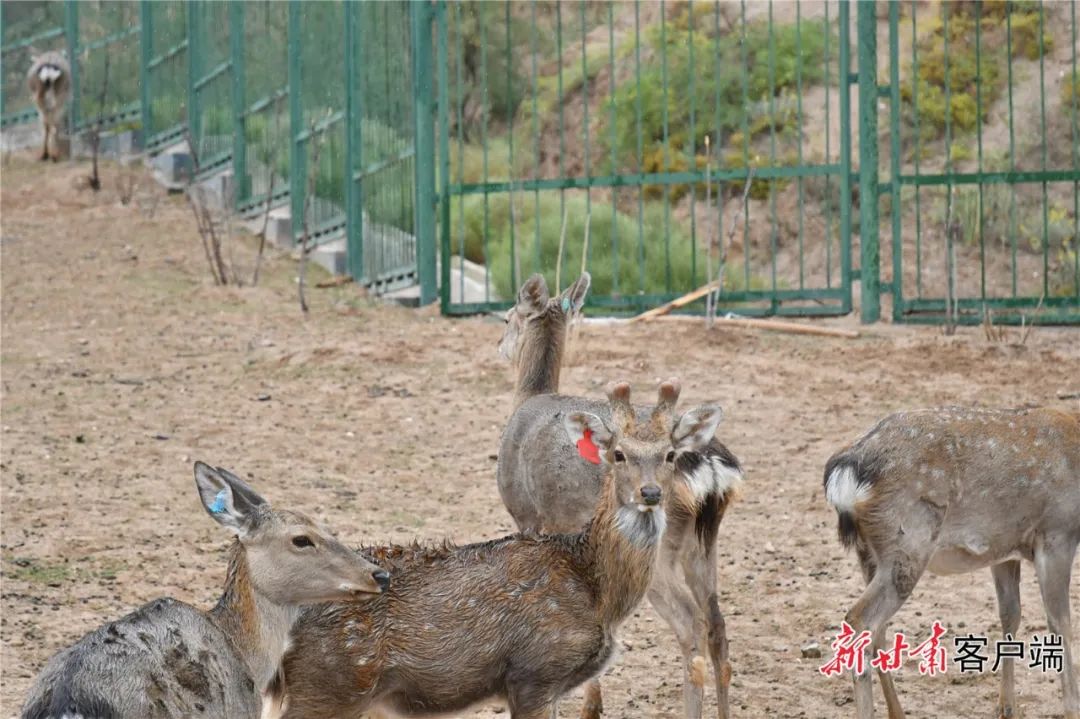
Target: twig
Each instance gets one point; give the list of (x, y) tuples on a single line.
[(585, 244), (313, 171), (204, 223), (1027, 330), (262, 233), (513, 233), (721, 270), (558, 259)]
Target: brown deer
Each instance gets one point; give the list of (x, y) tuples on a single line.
[(546, 489), (49, 83), (955, 490), (169, 660), (525, 618)]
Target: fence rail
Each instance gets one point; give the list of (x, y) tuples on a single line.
[(937, 178)]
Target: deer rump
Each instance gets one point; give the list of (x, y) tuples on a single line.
[(559, 492), (457, 626)]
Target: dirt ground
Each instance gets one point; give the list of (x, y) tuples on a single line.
[(122, 364)]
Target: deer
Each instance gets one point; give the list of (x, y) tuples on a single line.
[(955, 490), (49, 83), (525, 618), (171, 660), (546, 489)]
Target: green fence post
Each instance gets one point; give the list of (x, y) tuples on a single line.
[(241, 180), (297, 165), (869, 261), (194, 128), (354, 246), (844, 73), (444, 153), (424, 138), (71, 22), (146, 51)]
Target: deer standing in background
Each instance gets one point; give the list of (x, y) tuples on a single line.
[(49, 82), (169, 660), (954, 490), (546, 488), (526, 618)]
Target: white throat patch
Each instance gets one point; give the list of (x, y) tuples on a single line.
[(641, 528)]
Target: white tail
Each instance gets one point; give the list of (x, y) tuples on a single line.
[(954, 490)]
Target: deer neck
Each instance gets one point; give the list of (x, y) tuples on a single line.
[(621, 547), (258, 627), (540, 357)]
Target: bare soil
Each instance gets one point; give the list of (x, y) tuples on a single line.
[(122, 364)]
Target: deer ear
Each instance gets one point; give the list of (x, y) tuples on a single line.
[(573, 297), (590, 434), (696, 428), (227, 499), (533, 296)]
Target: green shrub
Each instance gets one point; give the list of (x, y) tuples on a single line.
[(655, 267)]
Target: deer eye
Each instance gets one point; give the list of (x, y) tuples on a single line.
[(619, 456), (302, 542), (670, 459)]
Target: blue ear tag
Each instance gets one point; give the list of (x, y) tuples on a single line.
[(219, 502), (565, 304)]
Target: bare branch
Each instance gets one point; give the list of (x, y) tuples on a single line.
[(313, 171)]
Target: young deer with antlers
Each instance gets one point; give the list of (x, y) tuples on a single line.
[(169, 660), (546, 487), (526, 618), (49, 82), (954, 490)]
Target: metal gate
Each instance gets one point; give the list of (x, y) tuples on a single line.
[(984, 162), (601, 135)]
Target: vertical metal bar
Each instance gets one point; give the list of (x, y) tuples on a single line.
[(585, 124), (562, 117), (614, 159), (444, 149), (745, 145), (1074, 93), (423, 163), (533, 52), (241, 179), (511, 175), (640, 149), (868, 164), (715, 147), (194, 67), (918, 150), (1013, 228), (71, 22), (667, 147), (485, 111), (844, 74), (1042, 135), (774, 239), (691, 150), (828, 155), (146, 53), (459, 95), (894, 161), (297, 156), (799, 123), (950, 250), (354, 245), (979, 147)]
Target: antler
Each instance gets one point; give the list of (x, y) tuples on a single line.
[(663, 415), (622, 413)]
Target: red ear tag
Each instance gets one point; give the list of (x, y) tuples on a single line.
[(587, 449)]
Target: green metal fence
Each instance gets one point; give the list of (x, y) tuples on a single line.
[(768, 146), (622, 124), (983, 163)]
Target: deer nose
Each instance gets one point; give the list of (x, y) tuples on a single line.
[(650, 495), (382, 578)]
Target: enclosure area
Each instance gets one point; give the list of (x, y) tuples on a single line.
[(804, 158), (122, 365)]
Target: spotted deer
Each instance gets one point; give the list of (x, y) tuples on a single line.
[(955, 490), (49, 83), (170, 660), (525, 618), (546, 488)]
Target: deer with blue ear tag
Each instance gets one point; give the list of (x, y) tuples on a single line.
[(170, 660)]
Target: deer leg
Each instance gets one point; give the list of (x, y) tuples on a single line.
[(1053, 567), (675, 604), (869, 568), (594, 702), (1007, 585), (700, 570), (45, 141), (883, 597)]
